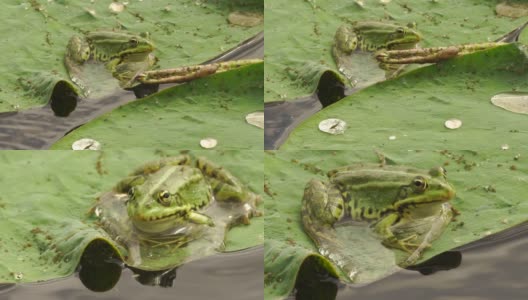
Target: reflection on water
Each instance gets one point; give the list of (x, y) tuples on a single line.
[(492, 268), (235, 275)]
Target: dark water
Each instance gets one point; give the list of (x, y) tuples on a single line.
[(489, 269), (235, 275), (39, 128)]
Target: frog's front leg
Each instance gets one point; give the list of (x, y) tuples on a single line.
[(199, 218), (383, 229), (323, 206), (154, 166)]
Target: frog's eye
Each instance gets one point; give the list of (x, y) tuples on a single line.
[(131, 192), (134, 42), (419, 183), (163, 197), (400, 30), (438, 171)]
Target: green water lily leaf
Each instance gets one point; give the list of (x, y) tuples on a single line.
[(214, 107), (47, 198), (490, 185), (184, 32), (307, 42), (409, 112)]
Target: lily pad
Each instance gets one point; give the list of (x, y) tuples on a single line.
[(296, 58), (179, 117), (489, 186), (41, 30), (415, 106), (47, 197)]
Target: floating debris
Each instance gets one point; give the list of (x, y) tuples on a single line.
[(256, 119), (246, 19), (18, 276), (392, 137), (514, 102), (208, 143), (453, 123), (116, 7), (333, 126), (512, 10), (90, 11), (86, 144), (505, 147)]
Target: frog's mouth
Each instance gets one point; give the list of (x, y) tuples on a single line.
[(426, 199), (159, 224)]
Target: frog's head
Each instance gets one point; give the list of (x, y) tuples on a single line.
[(378, 35), (166, 198), (109, 44), (424, 190)]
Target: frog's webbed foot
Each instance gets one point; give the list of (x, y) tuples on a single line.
[(408, 244), (249, 211), (154, 166)]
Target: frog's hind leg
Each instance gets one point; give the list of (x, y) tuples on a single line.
[(154, 166), (226, 187), (322, 206), (228, 190), (77, 54)]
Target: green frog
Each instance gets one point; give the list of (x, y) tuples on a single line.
[(368, 37), (405, 207), (174, 210), (170, 193), (124, 55)]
